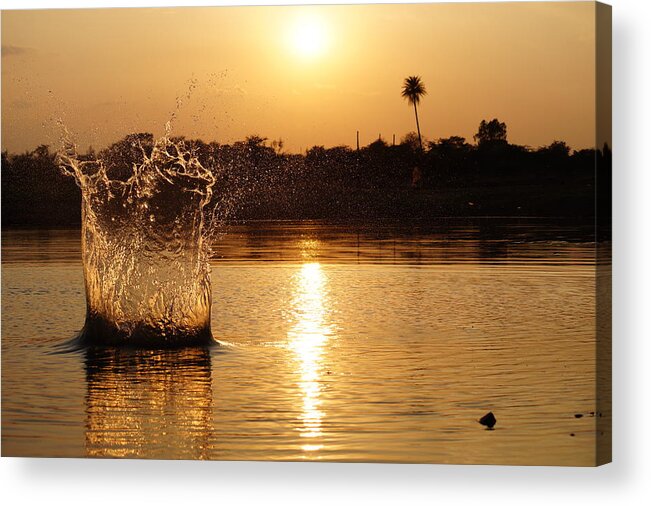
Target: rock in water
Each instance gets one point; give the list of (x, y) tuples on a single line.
[(488, 420)]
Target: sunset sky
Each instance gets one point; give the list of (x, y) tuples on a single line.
[(308, 75)]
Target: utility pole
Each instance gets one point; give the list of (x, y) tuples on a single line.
[(357, 140)]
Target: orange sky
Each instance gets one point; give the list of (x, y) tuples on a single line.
[(308, 75)]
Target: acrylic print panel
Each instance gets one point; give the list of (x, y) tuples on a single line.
[(373, 233)]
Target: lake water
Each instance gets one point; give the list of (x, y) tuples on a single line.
[(338, 343)]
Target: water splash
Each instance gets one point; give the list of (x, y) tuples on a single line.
[(144, 245)]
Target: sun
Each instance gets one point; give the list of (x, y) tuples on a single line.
[(308, 37)]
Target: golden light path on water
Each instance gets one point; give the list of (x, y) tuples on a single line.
[(324, 360), (307, 339)]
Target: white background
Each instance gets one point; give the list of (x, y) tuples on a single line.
[(626, 481)]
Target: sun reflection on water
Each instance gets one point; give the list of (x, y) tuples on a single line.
[(307, 339)]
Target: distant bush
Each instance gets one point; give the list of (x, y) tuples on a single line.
[(256, 180)]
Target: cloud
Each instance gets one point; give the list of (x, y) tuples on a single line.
[(9, 50)]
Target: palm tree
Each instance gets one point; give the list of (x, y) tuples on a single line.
[(413, 89)]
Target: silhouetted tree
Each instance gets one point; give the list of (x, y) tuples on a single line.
[(491, 132), (558, 149), (278, 145), (413, 89), (411, 141), (35, 191), (255, 180)]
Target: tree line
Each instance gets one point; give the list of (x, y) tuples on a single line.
[(256, 179)]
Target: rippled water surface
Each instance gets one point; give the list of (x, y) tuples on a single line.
[(344, 343)]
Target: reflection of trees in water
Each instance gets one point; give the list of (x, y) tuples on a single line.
[(148, 403), (443, 241), (492, 241)]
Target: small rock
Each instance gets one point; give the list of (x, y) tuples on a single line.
[(578, 415), (488, 420), (572, 434)]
